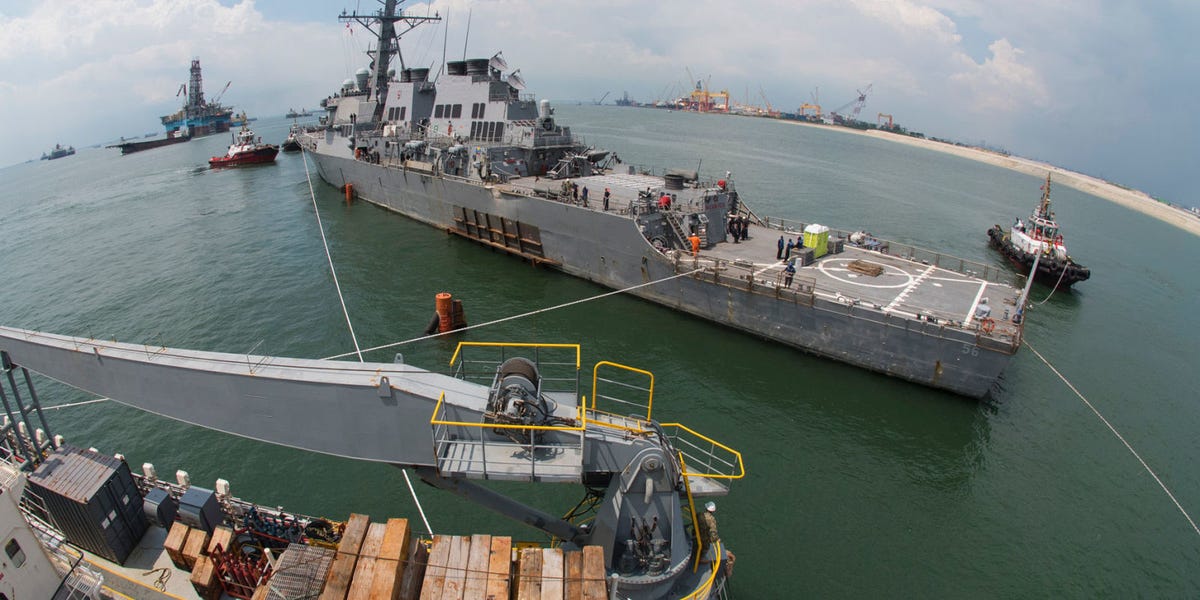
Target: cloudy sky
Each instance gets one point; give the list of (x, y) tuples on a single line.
[(1105, 87)]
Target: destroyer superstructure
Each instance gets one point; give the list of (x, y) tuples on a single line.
[(470, 152)]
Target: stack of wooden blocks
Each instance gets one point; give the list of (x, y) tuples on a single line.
[(190, 548), (544, 573), (371, 561)]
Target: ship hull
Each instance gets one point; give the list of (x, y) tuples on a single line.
[(608, 249), (257, 156), (131, 147), (1061, 274)]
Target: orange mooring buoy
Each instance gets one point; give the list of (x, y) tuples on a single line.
[(349, 193), (444, 303)]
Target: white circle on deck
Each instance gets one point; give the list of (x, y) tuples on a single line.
[(826, 266)]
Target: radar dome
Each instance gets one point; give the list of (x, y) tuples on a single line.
[(362, 75), (348, 84)]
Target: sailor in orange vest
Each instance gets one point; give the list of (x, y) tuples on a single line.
[(695, 240)]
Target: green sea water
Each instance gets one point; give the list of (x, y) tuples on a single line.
[(858, 485)]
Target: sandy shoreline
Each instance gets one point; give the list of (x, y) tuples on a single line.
[(1132, 199)]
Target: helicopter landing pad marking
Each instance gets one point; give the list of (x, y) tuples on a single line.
[(826, 267)]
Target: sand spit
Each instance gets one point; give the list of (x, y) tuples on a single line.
[(1132, 199)]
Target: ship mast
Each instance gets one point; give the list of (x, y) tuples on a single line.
[(388, 43), (1044, 207)]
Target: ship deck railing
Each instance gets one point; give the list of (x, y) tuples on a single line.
[(970, 268), (709, 466), (486, 449), (805, 291)]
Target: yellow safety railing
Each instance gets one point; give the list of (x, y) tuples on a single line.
[(733, 462), (687, 486), (458, 349), (581, 417), (705, 588), (649, 405)]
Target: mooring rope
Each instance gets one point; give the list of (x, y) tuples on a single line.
[(320, 227), (522, 315), (1119, 436), (357, 350), (1055, 288), (58, 406)]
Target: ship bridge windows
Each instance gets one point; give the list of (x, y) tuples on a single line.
[(447, 111), (488, 131), (396, 113), (477, 110)]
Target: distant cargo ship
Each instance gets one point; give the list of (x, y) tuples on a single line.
[(58, 152), (198, 116)]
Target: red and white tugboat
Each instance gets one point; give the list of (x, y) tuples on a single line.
[(1040, 236), (245, 150)]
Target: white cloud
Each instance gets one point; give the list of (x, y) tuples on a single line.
[(81, 72), (1002, 83)]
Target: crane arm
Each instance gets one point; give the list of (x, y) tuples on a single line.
[(390, 413)]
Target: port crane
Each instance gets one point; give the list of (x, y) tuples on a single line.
[(217, 98), (497, 415), (858, 103), (601, 100)]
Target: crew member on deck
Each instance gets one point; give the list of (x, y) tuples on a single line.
[(708, 527), (606, 195), (779, 253), (695, 240)]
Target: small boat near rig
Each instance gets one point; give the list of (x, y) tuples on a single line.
[(1039, 241), (636, 533), (246, 149), (475, 155)]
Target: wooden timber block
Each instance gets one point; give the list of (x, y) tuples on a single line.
[(477, 568), (594, 578), (866, 268), (354, 533), (529, 574), (456, 568), (435, 572), (395, 540), (552, 574), (204, 579), (499, 584), (573, 572), (337, 584), (194, 547), (222, 537), (261, 592), (364, 569), (174, 544), (414, 571), (389, 567)]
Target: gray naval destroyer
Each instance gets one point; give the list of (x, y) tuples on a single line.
[(468, 151)]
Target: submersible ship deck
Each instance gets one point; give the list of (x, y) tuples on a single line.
[(472, 154), (495, 415)]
